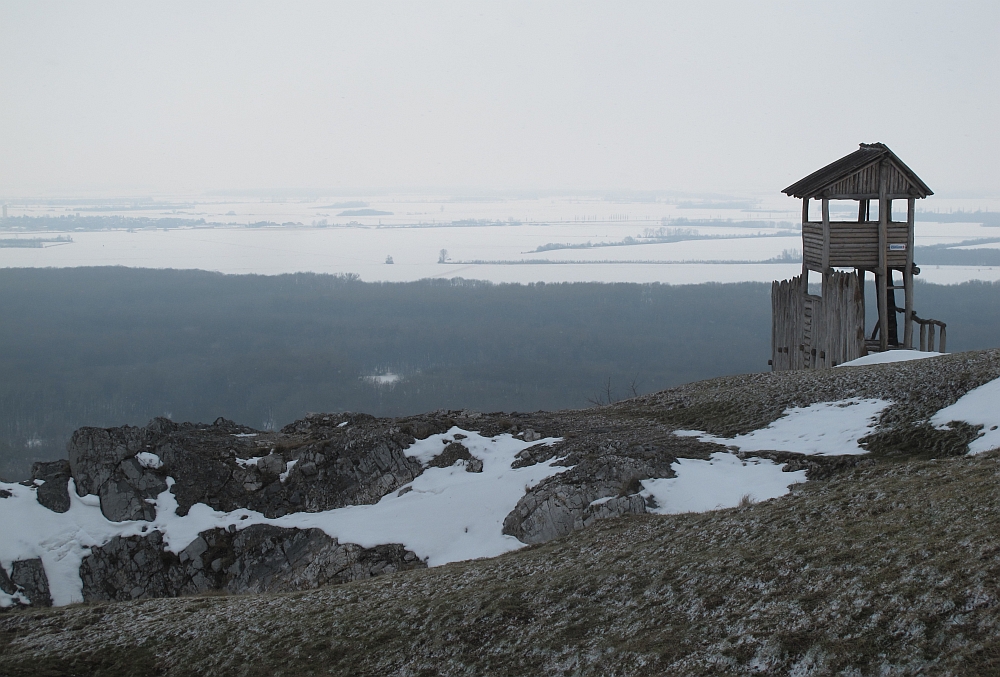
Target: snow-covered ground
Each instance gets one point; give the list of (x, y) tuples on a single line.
[(444, 515), (834, 428), (29, 530), (824, 428), (978, 407), (721, 482)]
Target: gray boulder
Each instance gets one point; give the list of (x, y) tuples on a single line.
[(260, 558), (27, 577), (563, 503), (103, 462), (53, 493)]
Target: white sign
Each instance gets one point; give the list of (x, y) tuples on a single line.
[(897, 247)]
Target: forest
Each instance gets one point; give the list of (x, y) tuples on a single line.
[(110, 346)]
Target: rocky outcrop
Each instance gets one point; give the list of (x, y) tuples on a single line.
[(259, 558), (105, 463), (312, 465), (603, 482), (324, 462)]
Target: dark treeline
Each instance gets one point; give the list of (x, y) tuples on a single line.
[(108, 346), (945, 255), (978, 216)]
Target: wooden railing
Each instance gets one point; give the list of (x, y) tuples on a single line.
[(927, 334)]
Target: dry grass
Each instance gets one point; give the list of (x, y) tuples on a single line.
[(888, 569), (890, 566)]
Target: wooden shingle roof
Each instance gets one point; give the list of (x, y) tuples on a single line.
[(855, 176)]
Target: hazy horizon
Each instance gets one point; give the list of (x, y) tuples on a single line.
[(114, 98)]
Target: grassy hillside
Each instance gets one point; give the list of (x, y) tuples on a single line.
[(887, 569), (887, 566)]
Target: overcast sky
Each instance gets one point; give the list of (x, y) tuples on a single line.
[(327, 97)]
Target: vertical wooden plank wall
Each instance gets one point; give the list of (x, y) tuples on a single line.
[(833, 325)]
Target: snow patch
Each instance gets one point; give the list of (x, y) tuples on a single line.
[(889, 356), (244, 462), (244, 434), (978, 407), (288, 469), (720, 482), (149, 460), (822, 429), (10, 600)]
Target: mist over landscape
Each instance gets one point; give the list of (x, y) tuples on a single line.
[(440, 338)]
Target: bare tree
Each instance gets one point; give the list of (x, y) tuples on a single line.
[(443, 256), (633, 385), (605, 397)]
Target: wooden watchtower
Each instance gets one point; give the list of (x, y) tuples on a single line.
[(811, 331)]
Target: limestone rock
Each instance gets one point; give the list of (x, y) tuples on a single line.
[(456, 452), (54, 492), (28, 577), (310, 465), (103, 462), (260, 558), (563, 503)]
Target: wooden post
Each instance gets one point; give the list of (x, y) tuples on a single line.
[(908, 277), (861, 210), (805, 220), (883, 245), (826, 235), (860, 272)]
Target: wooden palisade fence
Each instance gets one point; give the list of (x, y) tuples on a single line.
[(814, 332)]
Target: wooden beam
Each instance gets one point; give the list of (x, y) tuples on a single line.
[(862, 196), (882, 278), (908, 277)]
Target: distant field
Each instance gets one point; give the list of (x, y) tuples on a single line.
[(559, 240)]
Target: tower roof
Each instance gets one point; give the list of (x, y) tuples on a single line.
[(856, 176)]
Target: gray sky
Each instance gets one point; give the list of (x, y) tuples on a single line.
[(329, 97)]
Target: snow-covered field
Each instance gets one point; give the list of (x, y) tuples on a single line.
[(978, 407), (317, 236)]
